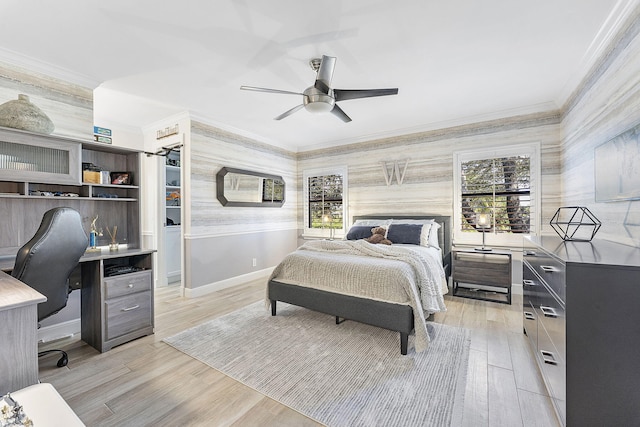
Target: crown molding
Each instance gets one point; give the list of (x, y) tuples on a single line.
[(545, 107), (19, 60), (240, 132), (599, 46)]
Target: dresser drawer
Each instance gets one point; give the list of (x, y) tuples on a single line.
[(551, 314), (549, 269), (127, 314), (127, 284), (552, 365)]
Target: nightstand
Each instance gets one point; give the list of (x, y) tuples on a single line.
[(490, 270)]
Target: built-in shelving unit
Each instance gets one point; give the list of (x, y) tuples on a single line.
[(172, 189), (39, 172), (173, 217)]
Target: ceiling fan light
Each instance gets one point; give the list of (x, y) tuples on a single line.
[(319, 107)]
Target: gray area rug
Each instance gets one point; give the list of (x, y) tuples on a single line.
[(339, 375)]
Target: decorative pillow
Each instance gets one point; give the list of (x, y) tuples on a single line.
[(357, 232), (12, 414), (429, 236), (405, 233)]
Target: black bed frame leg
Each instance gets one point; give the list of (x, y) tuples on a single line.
[(404, 341), (273, 307)]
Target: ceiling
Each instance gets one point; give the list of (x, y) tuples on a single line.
[(454, 62)]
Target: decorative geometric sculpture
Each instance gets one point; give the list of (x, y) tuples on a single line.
[(575, 223)]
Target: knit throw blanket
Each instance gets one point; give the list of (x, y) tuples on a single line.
[(394, 274)]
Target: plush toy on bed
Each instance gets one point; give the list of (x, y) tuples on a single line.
[(377, 236)]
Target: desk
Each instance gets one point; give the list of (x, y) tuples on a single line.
[(18, 334), (114, 310)]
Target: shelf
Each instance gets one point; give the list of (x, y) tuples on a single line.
[(59, 171)]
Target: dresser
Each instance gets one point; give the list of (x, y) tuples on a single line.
[(581, 313)]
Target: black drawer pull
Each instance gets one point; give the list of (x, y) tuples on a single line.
[(528, 282), (131, 308), (548, 268), (548, 311), (530, 253), (548, 357), (529, 315)]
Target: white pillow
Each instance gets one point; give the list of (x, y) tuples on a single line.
[(373, 222), (429, 236)]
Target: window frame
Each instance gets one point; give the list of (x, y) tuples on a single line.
[(532, 150), (323, 232)]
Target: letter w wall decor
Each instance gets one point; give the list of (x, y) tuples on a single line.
[(392, 169)]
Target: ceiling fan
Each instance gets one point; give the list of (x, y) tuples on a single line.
[(321, 98)]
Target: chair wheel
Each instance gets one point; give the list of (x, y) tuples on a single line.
[(63, 361)]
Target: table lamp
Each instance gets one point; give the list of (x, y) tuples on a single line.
[(483, 222), (328, 219)]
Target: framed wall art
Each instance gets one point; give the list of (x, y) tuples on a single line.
[(617, 167)]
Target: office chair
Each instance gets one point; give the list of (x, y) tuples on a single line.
[(46, 261)]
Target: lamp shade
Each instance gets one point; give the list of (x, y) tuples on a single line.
[(483, 220)]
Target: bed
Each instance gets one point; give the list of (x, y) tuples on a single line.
[(307, 277)]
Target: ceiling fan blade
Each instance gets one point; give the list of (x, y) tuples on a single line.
[(345, 94), (325, 72), (264, 89), (289, 112), (322, 87), (337, 111)]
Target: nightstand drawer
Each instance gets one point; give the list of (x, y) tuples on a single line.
[(127, 284), (480, 268), (127, 314)]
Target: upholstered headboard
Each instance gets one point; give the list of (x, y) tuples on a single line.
[(444, 232)]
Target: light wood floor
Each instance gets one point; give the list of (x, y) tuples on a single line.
[(147, 383)]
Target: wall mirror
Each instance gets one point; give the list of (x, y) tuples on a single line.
[(238, 187)]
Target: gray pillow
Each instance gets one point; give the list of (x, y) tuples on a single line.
[(405, 233), (358, 232)]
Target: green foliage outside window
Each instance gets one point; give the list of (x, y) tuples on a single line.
[(500, 187), (325, 201)]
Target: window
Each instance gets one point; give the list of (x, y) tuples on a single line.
[(501, 182), (325, 204)]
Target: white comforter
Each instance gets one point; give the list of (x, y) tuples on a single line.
[(401, 274)]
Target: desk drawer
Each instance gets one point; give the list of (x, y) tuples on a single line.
[(127, 284), (127, 314), (549, 269)]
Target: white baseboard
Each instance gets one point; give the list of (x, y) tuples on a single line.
[(59, 330), (227, 283)]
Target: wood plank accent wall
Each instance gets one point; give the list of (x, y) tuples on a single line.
[(68, 105), (428, 183), (211, 150), (606, 104), (221, 241)]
